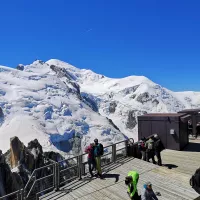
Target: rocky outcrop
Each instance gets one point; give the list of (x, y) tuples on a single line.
[(90, 102), (17, 164), (144, 97), (131, 121), (155, 102), (30, 157), (20, 67), (1, 116), (112, 107), (16, 148)]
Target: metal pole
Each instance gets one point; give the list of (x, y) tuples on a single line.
[(22, 194), (56, 174), (80, 166), (126, 148), (113, 152), (194, 124)]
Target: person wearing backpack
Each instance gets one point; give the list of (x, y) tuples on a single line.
[(142, 148), (150, 150), (98, 152), (158, 148)]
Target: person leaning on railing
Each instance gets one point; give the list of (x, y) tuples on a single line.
[(91, 159)]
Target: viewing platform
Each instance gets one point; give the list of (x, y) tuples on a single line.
[(171, 180)]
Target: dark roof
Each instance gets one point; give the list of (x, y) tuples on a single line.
[(163, 114), (190, 111)]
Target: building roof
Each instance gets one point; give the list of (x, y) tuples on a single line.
[(163, 115), (190, 111)]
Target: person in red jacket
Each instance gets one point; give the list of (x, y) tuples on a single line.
[(91, 160)]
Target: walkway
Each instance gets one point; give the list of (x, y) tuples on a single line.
[(173, 183)]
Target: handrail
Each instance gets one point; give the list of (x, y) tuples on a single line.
[(56, 170)]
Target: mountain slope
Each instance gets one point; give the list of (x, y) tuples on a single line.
[(54, 101), (122, 100), (44, 102)]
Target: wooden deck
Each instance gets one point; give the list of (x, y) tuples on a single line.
[(173, 184)]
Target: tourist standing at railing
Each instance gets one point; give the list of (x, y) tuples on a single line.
[(98, 152), (142, 148), (91, 159)]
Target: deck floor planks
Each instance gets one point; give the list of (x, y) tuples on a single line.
[(173, 183)]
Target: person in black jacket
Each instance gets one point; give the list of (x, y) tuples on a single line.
[(158, 147)]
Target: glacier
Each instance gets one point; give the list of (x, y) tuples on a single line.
[(54, 101)]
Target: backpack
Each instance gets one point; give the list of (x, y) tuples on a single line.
[(141, 145), (150, 145), (101, 151)]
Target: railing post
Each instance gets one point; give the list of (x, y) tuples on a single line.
[(126, 148), (22, 194), (113, 152), (80, 166), (56, 176)]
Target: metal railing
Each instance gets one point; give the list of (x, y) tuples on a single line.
[(17, 195), (57, 174)]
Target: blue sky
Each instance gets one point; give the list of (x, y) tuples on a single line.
[(155, 38)]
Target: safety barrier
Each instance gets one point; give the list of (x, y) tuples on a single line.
[(57, 174)]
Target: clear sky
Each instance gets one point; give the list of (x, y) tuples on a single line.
[(159, 39)]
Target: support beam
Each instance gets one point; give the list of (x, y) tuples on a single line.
[(194, 124)]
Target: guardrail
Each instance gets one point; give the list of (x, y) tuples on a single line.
[(57, 174)]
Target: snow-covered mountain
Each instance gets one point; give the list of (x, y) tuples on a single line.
[(53, 101)]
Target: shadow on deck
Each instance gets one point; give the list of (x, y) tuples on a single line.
[(193, 146)]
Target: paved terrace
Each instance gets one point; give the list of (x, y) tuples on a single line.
[(171, 180)]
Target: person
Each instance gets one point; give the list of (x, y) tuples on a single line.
[(195, 181), (197, 130), (158, 148), (147, 192), (2, 158), (91, 161), (98, 152), (142, 148), (150, 151), (131, 181), (2, 175)]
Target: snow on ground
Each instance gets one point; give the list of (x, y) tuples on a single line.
[(53, 101)]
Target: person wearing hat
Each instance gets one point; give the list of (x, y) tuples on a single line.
[(147, 192), (131, 181)]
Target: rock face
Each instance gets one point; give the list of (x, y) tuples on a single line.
[(1, 116), (30, 157), (23, 160), (112, 107), (131, 121), (144, 97), (20, 67), (16, 148)]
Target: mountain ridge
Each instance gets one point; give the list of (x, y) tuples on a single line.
[(60, 101)]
